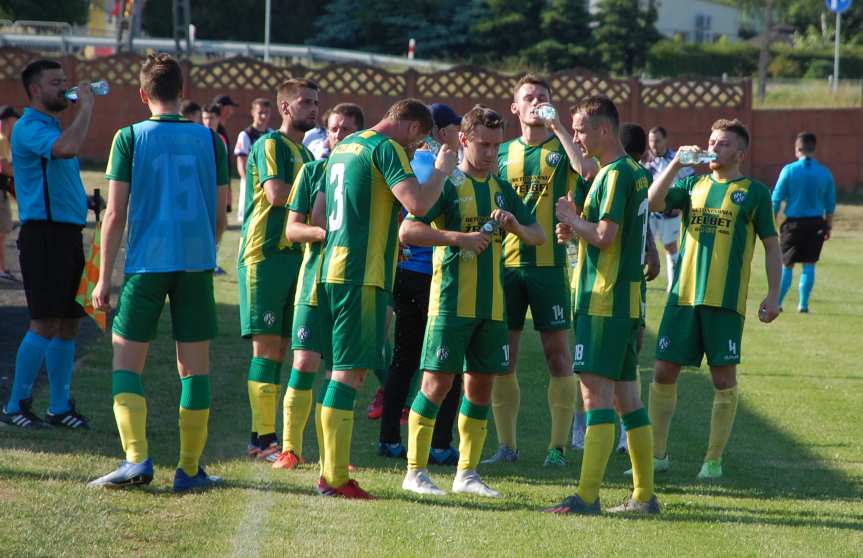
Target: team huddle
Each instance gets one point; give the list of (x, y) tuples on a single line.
[(321, 242)]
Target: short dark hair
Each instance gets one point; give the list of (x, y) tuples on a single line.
[(658, 130), (261, 102), (480, 115), (189, 107), (412, 110), (806, 141), (532, 79), (634, 140), (33, 72), (291, 88), (348, 110), (733, 125), (215, 108), (600, 106), (162, 77)]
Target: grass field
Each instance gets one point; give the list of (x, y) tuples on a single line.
[(793, 485), (808, 93)]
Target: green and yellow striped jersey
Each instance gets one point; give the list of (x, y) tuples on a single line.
[(471, 288), (309, 181), (540, 174), (608, 282), (273, 156), (720, 222), (362, 212)]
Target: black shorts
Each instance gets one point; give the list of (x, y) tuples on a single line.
[(801, 239), (52, 260)]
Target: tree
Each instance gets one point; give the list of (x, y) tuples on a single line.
[(625, 33), (70, 11), (508, 27), (565, 24)]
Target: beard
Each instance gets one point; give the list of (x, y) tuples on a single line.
[(303, 126), (56, 104)]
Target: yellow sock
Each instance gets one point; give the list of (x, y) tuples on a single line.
[(721, 421), (598, 443), (263, 386), (194, 414), (421, 423), (472, 430), (296, 408), (661, 404), (639, 438), (561, 405), (130, 411), (337, 424), (506, 400), (319, 429)]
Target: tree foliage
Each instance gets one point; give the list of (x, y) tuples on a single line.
[(70, 11), (625, 33)]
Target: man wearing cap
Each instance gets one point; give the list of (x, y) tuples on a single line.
[(52, 207), (8, 117), (261, 110), (411, 298)]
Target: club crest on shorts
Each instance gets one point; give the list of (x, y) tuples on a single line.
[(442, 353), (664, 343), (738, 197), (303, 333), (553, 158), (269, 318), (498, 199)]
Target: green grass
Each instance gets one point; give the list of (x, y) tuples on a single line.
[(793, 486), (800, 94)]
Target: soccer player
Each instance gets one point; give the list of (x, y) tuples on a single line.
[(542, 165), (260, 112), (608, 307), (466, 331), (306, 337), (170, 177), (723, 213), (368, 179), (52, 207), (808, 191), (190, 110), (8, 118), (268, 263), (667, 223)]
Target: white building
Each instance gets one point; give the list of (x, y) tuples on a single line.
[(699, 21)]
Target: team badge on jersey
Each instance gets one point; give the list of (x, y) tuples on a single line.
[(442, 353), (738, 197), (498, 199), (303, 333), (269, 318), (553, 158), (664, 343)]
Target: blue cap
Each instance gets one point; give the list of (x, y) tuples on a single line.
[(444, 116)]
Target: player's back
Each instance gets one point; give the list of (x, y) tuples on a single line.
[(172, 196), (362, 212)]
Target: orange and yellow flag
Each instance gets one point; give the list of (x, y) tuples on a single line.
[(89, 279)]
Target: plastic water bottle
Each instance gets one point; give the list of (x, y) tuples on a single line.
[(100, 87), (696, 157), (546, 112), (488, 228)]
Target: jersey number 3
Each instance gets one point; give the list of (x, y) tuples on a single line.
[(337, 177)]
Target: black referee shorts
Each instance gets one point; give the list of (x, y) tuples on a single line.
[(52, 260), (801, 239)]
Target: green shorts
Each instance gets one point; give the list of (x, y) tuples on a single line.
[(193, 306), (687, 333), (545, 290), (606, 347), (267, 294), (353, 320), (307, 335), (455, 345)]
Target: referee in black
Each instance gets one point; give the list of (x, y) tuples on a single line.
[(808, 191), (52, 206)]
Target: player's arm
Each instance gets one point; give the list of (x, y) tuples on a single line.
[(600, 234), (113, 225), (417, 233), (829, 207), (661, 184), (6, 167), (651, 259), (769, 308), (297, 230), (580, 163), (419, 198), (223, 183), (780, 191), (72, 138)]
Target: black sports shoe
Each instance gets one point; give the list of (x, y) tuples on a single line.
[(69, 419), (24, 418)]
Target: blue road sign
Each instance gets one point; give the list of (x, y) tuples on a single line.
[(838, 6)]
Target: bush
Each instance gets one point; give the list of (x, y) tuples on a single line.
[(819, 69), (783, 67)]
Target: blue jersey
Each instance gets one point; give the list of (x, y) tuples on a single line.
[(807, 188), (172, 193), (48, 189), (421, 256)]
